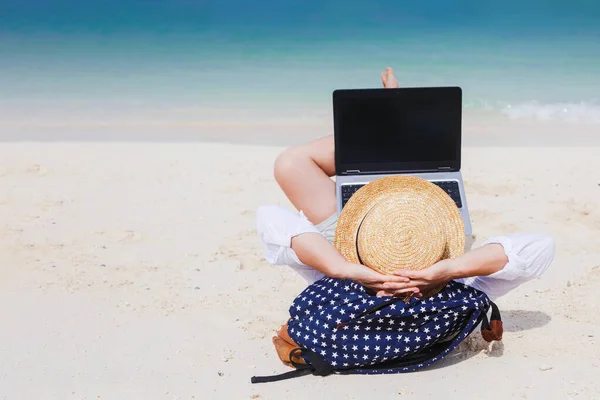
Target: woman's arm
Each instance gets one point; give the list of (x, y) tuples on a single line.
[(316, 252), (501, 264), (484, 260), (481, 261)]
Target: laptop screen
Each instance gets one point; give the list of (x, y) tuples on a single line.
[(394, 130)]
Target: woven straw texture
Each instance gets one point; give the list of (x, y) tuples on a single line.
[(399, 222)]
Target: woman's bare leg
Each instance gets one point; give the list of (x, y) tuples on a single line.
[(304, 172)]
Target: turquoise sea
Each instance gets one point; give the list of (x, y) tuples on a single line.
[(66, 63)]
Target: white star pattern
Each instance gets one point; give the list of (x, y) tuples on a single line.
[(452, 313)]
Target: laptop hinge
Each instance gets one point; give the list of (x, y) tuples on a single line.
[(352, 172), (444, 168)]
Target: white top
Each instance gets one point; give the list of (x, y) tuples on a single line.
[(529, 255)]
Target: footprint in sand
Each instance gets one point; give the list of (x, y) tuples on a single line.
[(231, 190), (48, 204), (586, 288), (580, 213), (243, 248), (489, 190), (481, 215), (128, 236), (37, 169)]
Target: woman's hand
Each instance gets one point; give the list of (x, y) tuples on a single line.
[(482, 261), (421, 281), (374, 281)]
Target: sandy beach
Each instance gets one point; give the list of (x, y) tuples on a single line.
[(132, 271)]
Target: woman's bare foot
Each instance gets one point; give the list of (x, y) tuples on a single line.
[(388, 79)]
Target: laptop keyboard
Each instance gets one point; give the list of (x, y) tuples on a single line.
[(450, 187), (348, 191)]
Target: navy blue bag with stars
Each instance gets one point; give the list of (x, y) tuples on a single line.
[(340, 328)]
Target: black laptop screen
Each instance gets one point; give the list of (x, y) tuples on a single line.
[(397, 129)]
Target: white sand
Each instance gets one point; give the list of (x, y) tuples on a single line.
[(131, 271)]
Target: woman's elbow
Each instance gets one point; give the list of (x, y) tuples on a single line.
[(547, 248), (541, 253)]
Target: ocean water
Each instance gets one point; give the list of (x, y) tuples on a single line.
[(129, 63)]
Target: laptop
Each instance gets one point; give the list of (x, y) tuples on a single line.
[(412, 131)]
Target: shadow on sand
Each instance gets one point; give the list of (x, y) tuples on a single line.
[(513, 321)]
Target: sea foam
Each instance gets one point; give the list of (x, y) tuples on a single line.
[(582, 112)]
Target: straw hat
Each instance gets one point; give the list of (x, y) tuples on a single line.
[(400, 222)]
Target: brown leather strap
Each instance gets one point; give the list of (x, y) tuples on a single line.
[(284, 346), (492, 330), (494, 333)]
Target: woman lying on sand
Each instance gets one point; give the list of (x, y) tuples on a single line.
[(304, 241)]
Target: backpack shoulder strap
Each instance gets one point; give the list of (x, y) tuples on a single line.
[(315, 365)]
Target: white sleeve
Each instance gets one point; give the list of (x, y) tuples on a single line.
[(276, 226), (529, 256)]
